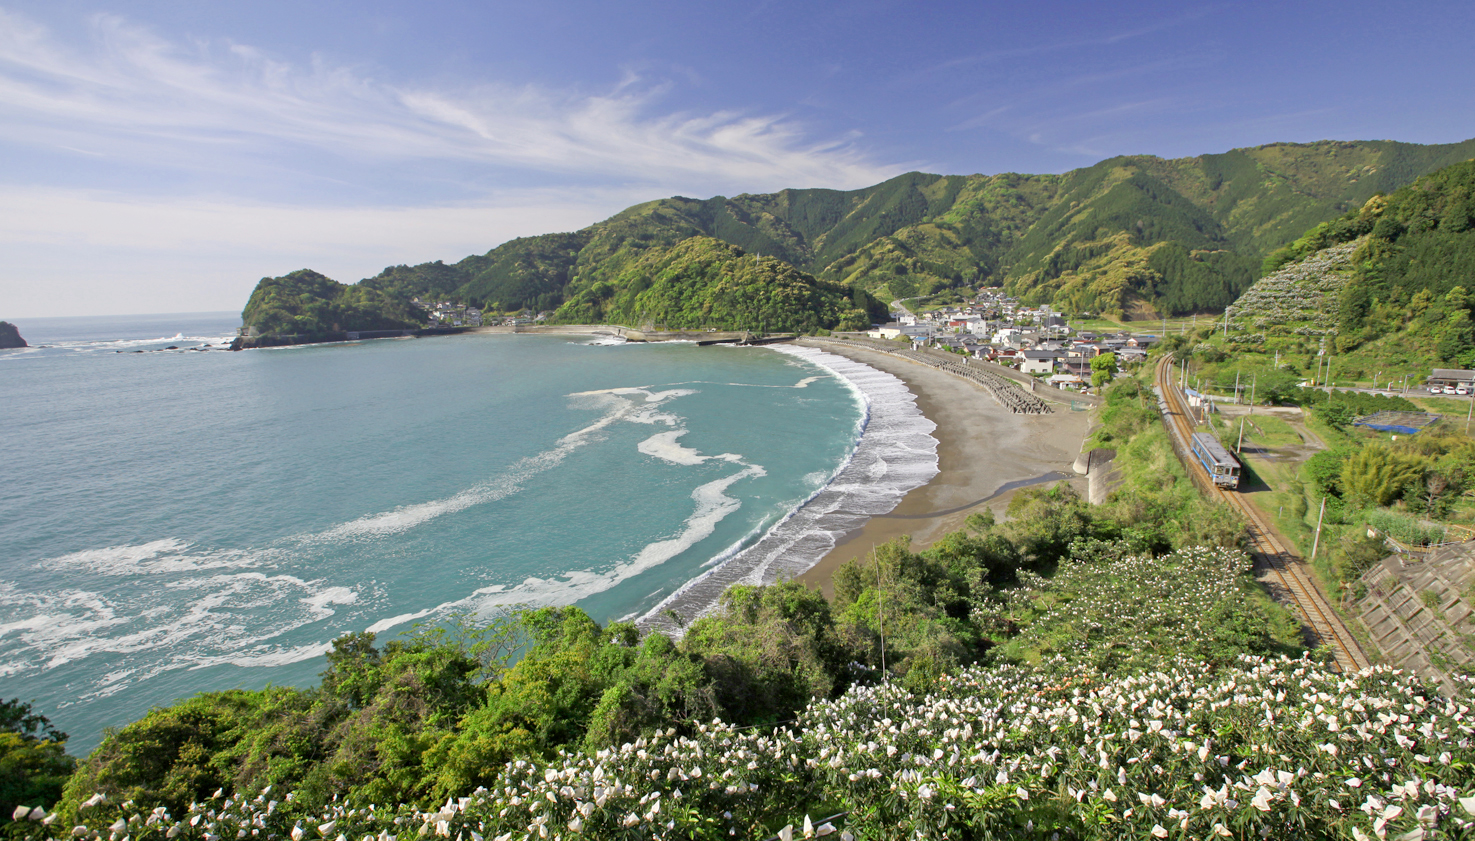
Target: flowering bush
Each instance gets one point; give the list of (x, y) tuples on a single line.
[(1121, 612), (1257, 748), (1306, 294)]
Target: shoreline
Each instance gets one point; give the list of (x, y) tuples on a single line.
[(985, 454), (894, 452)]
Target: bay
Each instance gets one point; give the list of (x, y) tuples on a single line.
[(177, 521)]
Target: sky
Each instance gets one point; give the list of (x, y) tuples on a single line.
[(164, 155)]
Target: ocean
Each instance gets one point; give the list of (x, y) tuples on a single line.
[(176, 518)]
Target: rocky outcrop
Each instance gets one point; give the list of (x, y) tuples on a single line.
[(10, 337)]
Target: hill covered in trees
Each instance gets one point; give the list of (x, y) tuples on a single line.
[(307, 303), (1388, 281), (1133, 235)]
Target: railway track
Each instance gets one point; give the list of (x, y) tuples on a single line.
[(1287, 577)]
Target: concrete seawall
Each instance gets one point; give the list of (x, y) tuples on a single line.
[(627, 333)]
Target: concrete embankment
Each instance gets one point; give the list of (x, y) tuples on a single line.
[(631, 334)]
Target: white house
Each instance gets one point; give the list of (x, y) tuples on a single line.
[(1037, 361)]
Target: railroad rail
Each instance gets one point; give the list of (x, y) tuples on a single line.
[(1289, 580)]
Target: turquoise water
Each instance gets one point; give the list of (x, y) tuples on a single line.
[(179, 521)]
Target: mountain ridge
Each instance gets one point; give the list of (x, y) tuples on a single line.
[(1134, 234)]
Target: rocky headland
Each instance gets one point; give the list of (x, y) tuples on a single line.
[(10, 337)]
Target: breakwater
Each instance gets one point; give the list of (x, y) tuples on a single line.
[(1002, 389), (266, 340)]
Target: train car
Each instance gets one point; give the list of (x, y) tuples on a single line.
[(1222, 467)]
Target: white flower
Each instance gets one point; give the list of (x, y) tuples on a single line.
[(1158, 831)]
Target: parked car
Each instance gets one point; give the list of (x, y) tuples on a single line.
[(1459, 389)]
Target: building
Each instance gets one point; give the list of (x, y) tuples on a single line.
[(1445, 377), (885, 331), (1038, 362)]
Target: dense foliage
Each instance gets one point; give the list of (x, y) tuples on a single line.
[(1401, 268), (524, 273), (307, 303), (1424, 475), (1340, 408), (705, 283), (34, 764), (1253, 748)]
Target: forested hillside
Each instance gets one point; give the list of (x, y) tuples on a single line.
[(307, 303), (1131, 236), (701, 282), (1391, 279)]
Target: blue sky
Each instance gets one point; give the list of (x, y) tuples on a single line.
[(162, 156)]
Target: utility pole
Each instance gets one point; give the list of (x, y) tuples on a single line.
[(1468, 414), (881, 616), (1317, 542), (1236, 388), (1240, 447), (1253, 382)]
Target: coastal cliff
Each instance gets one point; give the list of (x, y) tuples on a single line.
[(10, 337)]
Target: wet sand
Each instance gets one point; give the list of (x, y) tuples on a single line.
[(983, 449)]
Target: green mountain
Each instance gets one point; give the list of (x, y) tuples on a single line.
[(307, 303), (703, 282), (1133, 236)]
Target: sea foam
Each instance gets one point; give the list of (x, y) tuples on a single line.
[(894, 454)]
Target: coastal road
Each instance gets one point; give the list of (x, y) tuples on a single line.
[(1286, 576)]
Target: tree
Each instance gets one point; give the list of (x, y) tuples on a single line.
[(1103, 369), (1376, 474), (33, 761)]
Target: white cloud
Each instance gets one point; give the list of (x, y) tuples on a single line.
[(251, 134), (133, 94)]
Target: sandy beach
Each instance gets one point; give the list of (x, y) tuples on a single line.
[(982, 448)]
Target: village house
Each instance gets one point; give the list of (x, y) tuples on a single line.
[(1038, 361), (1069, 381)]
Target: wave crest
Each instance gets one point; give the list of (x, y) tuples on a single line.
[(895, 453)]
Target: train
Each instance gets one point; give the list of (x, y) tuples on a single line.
[(1222, 467)]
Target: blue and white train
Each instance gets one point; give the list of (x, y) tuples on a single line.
[(1222, 467)]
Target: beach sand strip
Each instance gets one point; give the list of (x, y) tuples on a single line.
[(985, 453)]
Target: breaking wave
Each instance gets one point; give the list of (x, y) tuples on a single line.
[(894, 454)]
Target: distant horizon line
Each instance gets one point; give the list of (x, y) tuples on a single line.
[(16, 320)]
